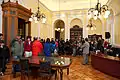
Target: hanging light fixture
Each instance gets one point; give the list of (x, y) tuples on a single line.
[(59, 26), (91, 26), (98, 11), (38, 16)]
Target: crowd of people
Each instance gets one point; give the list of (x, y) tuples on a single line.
[(50, 47)]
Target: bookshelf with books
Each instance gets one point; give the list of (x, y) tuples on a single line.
[(76, 32)]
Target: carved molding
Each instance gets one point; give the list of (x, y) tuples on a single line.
[(17, 7)]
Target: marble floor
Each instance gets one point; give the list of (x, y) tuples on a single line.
[(77, 72)]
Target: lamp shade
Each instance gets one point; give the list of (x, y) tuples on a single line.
[(107, 12), (30, 19)]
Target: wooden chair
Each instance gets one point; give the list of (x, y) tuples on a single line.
[(25, 71), (2, 65), (46, 71)]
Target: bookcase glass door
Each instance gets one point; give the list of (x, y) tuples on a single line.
[(21, 28)]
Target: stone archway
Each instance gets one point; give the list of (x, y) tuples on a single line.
[(76, 21), (76, 29), (59, 29)]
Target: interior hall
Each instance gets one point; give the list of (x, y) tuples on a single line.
[(59, 40)]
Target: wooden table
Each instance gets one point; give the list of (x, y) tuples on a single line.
[(58, 63), (107, 64)]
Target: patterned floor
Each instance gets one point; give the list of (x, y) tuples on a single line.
[(77, 72)]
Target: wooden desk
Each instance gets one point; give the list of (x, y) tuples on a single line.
[(34, 61), (106, 64)]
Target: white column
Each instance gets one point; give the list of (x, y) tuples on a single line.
[(53, 30), (38, 29), (68, 25), (48, 28), (0, 19), (107, 29), (85, 31), (66, 31), (113, 31), (103, 30)]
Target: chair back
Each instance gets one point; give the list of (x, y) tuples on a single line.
[(2, 62), (24, 64), (45, 67)]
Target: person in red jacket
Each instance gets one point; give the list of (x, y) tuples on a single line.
[(37, 47), (28, 47)]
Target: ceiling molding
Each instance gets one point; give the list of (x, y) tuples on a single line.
[(53, 5), (76, 10), (44, 6)]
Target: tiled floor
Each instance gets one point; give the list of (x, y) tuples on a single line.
[(77, 72)]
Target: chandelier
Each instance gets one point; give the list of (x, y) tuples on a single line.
[(98, 11), (59, 27), (38, 16), (91, 26)]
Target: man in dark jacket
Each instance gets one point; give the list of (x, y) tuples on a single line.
[(4, 56)]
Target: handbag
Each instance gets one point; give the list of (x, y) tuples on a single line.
[(28, 54)]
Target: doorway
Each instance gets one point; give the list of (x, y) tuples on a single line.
[(59, 27), (57, 35), (21, 28)]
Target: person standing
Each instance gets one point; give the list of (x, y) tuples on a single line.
[(74, 47), (100, 45), (4, 56), (52, 46), (28, 47), (1, 37), (37, 47), (47, 47), (17, 47), (57, 44), (85, 48)]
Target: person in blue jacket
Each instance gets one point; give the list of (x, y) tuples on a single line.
[(53, 46), (47, 48)]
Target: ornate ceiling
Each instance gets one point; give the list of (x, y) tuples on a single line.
[(53, 5)]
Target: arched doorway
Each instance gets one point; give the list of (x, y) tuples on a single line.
[(76, 29), (59, 27)]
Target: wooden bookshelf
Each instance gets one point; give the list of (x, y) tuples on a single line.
[(76, 32)]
